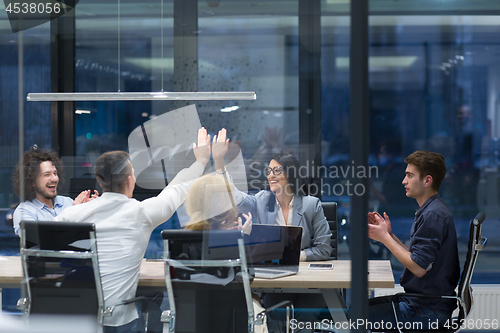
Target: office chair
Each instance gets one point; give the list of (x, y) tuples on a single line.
[(61, 271), (464, 297), (330, 210), (208, 283)]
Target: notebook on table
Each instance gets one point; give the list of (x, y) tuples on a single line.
[(274, 251)]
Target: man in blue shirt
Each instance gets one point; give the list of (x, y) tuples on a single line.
[(431, 259), (43, 177)]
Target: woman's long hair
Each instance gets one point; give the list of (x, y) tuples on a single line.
[(209, 204)]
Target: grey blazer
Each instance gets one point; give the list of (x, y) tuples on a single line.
[(307, 213)]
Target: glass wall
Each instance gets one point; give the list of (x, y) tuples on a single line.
[(36, 72), (230, 47), (235, 48), (433, 85), (36, 125)]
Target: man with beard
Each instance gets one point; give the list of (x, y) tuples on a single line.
[(43, 177)]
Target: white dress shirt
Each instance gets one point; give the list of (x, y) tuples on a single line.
[(280, 218), (123, 228)]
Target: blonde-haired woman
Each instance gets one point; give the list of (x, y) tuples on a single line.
[(210, 205)]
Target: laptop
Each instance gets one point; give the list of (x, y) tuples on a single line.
[(274, 251)]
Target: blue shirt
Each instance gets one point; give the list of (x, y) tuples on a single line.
[(433, 246), (35, 210)]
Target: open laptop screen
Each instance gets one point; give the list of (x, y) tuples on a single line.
[(275, 244), (267, 244)]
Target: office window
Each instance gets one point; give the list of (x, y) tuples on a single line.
[(433, 86), (36, 74), (118, 47), (234, 48), (194, 46), (36, 126)]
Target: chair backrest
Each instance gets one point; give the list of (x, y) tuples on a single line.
[(221, 287), (476, 244), (330, 210), (60, 266)]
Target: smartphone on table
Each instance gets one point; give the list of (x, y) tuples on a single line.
[(320, 266)]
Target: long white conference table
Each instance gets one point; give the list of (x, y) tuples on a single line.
[(326, 282)]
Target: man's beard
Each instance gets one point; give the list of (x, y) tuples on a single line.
[(43, 192)]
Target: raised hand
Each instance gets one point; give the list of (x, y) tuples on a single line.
[(273, 137), (220, 145), (202, 149)]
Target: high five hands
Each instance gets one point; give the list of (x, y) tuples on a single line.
[(220, 146)]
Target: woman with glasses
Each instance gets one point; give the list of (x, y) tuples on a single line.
[(285, 203)]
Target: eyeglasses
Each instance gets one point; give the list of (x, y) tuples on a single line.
[(276, 171)]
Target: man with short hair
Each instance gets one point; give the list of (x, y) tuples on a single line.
[(43, 177), (431, 259), (124, 225)]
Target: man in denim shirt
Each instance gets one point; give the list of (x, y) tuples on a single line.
[(431, 259), (43, 178)]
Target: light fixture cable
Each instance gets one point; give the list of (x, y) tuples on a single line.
[(161, 44), (119, 47), (136, 96)]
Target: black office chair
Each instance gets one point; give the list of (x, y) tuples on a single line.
[(330, 210), (464, 296), (209, 268), (61, 271), (61, 274)]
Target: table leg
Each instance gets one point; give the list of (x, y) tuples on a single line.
[(336, 304)]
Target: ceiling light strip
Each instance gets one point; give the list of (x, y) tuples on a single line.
[(143, 96)]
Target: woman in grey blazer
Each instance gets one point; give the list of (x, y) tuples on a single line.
[(285, 202), (283, 205)]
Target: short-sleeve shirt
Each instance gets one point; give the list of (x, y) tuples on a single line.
[(433, 246)]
